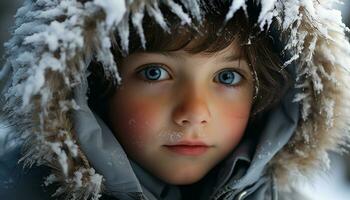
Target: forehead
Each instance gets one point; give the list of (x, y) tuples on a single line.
[(229, 54)]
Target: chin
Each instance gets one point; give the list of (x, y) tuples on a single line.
[(185, 177)]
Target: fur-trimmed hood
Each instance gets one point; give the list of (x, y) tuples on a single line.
[(54, 41)]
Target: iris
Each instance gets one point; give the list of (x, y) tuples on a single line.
[(153, 73), (229, 77)]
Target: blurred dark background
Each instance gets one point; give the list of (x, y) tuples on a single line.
[(7, 12)]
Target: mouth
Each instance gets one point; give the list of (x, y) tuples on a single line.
[(188, 148)]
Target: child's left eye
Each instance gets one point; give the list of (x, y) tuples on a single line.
[(228, 77), (154, 72)]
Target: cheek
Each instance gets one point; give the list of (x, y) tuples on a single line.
[(233, 122), (133, 119)]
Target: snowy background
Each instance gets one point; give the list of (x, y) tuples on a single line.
[(335, 185)]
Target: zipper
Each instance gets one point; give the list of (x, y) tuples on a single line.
[(242, 195)]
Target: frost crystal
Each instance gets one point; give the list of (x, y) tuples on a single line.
[(193, 7), (236, 5), (154, 11), (267, 12), (136, 19), (78, 179), (176, 8), (114, 10), (72, 147), (123, 30), (50, 179), (62, 156)]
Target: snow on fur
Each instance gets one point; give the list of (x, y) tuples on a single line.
[(54, 39)]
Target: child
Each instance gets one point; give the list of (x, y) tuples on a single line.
[(214, 100)]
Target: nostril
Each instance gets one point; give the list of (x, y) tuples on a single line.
[(191, 114), (185, 122), (188, 122)]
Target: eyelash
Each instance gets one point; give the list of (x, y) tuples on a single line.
[(141, 72)]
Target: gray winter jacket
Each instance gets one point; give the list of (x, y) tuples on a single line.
[(67, 147)]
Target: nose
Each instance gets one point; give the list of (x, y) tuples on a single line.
[(192, 110)]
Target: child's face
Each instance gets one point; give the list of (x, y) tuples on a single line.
[(178, 114)]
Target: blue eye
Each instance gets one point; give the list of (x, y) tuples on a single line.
[(154, 73), (228, 77)]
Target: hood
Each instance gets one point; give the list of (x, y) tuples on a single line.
[(54, 41)]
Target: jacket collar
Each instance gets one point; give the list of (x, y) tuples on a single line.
[(154, 188)]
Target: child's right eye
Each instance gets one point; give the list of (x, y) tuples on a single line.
[(154, 72)]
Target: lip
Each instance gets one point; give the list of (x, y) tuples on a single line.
[(188, 148)]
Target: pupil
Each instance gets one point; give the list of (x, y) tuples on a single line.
[(153, 73), (226, 77)]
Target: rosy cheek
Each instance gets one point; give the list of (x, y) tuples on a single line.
[(235, 121), (133, 121)]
